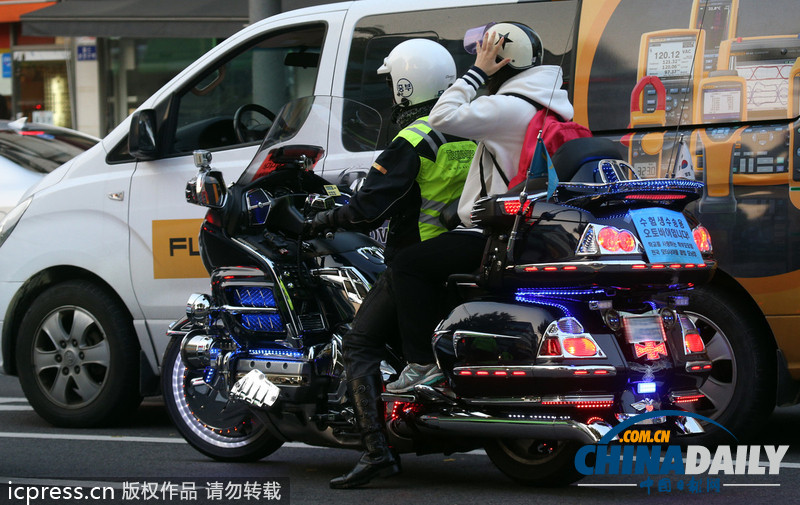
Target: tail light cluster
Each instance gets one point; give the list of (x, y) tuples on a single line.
[(692, 341), (702, 238), (566, 338), (599, 239)]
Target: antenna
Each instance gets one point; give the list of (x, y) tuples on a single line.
[(523, 196), (672, 170)]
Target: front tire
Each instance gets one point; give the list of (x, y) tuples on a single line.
[(540, 463), (222, 431), (740, 392), (78, 356)]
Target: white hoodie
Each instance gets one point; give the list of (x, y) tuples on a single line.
[(497, 123)]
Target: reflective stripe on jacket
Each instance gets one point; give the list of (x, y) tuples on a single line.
[(441, 177)]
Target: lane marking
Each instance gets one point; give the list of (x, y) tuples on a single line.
[(10, 408), (12, 399)]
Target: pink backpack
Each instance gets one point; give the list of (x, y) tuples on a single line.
[(555, 131)]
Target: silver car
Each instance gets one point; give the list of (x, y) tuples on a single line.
[(29, 151)]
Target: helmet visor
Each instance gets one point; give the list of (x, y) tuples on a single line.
[(474, 36)]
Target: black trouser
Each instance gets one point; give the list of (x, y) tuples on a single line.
[(374, 326), (419, 278)]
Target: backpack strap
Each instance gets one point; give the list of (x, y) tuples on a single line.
[(484, 192)]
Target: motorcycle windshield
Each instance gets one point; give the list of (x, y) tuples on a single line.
[(312, 126)]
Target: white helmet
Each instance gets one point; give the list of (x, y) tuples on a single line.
[(420, 70), (522, 45)]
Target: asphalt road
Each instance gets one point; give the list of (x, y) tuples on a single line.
[(149, 450)]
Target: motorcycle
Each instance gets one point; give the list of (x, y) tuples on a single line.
[(573, 324)]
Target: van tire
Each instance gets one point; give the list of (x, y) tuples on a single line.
[(78, 356), (740, 392)]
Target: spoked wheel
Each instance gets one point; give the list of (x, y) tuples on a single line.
[(221, 430), (541, 463)]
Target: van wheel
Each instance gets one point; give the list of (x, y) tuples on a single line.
[(540, 463), (78, 356), (221, 430), (740, 391)]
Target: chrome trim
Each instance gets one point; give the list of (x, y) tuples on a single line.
[(371, 252), (592, 264), (689, 426), (520, 426), (293, 323), (578, 398), (348, 278), (235, 308)]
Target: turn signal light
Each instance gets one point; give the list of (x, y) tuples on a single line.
[(580, 346), (702, 238), (693, 343)]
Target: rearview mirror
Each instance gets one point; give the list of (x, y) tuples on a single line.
[(142, 142), (208, 187)]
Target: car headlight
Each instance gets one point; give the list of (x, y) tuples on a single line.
[(9, 222)]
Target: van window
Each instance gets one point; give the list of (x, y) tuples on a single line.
[(235, 101), (375, 36)]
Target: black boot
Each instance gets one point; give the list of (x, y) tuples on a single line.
[(377, 459)]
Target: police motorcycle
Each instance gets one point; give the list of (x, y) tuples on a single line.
[(573, 324)]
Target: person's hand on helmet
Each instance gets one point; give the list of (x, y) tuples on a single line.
[(323, 222), (486, 58)]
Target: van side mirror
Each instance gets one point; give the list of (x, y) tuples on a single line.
[(142, 142)]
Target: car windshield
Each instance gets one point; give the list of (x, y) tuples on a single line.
[(42, 150)]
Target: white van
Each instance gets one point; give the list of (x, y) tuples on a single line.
[(99, 257)]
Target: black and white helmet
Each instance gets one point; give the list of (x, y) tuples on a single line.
[(420, 70), (521, 44)]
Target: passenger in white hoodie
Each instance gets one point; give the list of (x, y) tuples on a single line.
[(509, 61)]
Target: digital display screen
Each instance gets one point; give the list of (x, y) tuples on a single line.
[(766, 66), (671, 57), (722, 104), (714, 19), (767, 84)]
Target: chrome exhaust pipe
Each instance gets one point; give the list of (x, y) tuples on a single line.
[(523, 426)]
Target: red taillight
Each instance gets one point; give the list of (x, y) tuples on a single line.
[(626, 241), (551, 347), (609, 238), (281, 157), (688, 398), (702, 238), (513, 206), (694, 343), (580, 346)]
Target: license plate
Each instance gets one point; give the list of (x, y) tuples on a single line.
[(643, 329), (665, 236)]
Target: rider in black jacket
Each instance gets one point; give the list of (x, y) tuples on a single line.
[(411, 182)]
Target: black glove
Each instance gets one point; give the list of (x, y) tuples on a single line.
[(323, 222)]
